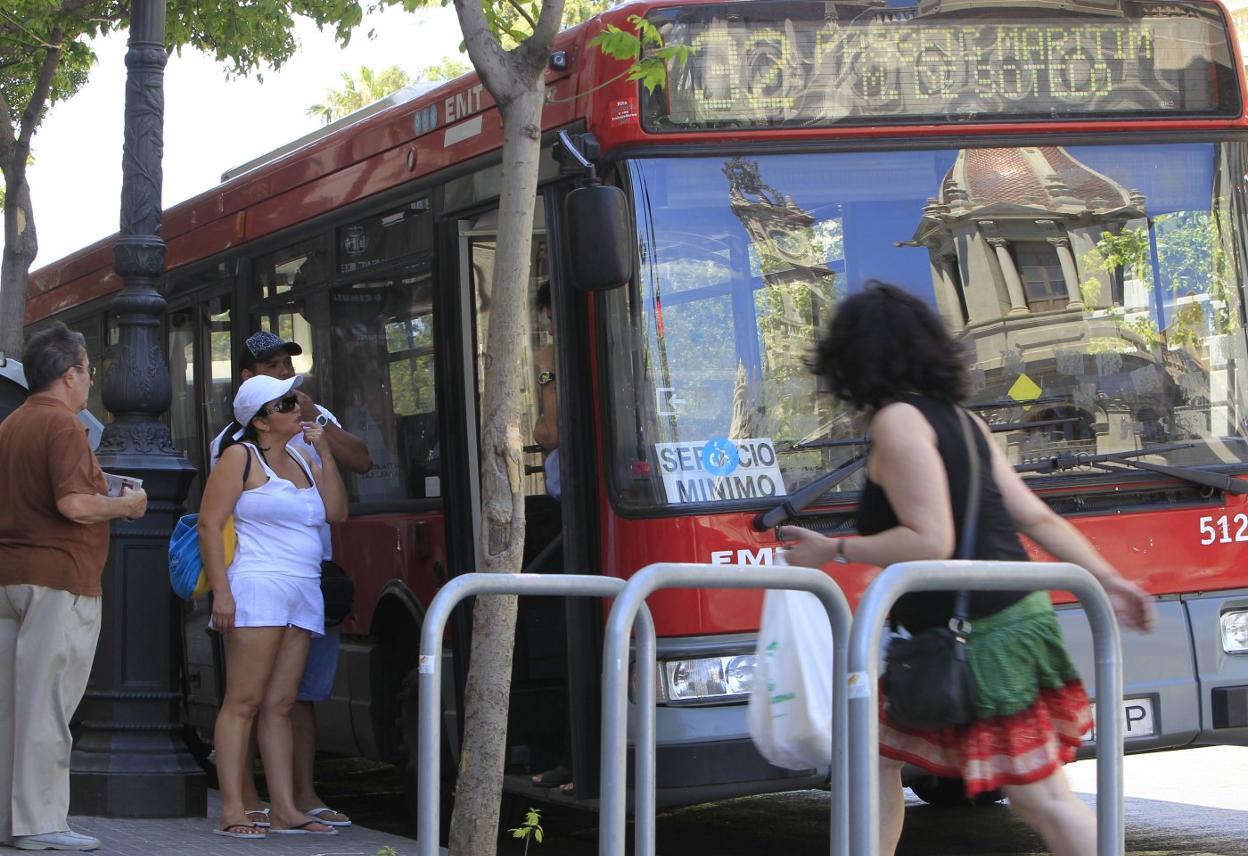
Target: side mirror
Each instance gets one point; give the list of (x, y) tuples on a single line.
[(599, 236)]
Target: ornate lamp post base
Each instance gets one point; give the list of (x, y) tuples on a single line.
[(129, 758)]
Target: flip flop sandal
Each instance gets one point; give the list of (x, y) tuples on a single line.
[(318, 814), (263, 822), (302, 829), (240, 830), (553, 778)]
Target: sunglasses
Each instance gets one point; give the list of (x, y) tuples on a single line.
[(284, 405)]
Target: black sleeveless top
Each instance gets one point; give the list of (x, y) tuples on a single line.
[(996, 537)]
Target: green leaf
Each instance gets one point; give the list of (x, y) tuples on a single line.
[(645, 48), (616, 43)]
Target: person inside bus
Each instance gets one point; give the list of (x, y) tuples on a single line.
[(546, 429), (886, 352), (543, 519), (267, 603), (265, 353)]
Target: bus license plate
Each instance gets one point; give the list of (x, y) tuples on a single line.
[(1138, 720)]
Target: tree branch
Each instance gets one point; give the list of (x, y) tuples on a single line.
[(22, 44), (8, 134), (69, 8), (524, 13), (72, 7), (487, 55), (16, 26), (43, 86), (575, 95), (535, 50)]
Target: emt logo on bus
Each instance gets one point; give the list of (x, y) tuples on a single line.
[(719, 469)]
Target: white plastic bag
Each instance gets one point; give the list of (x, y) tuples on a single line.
[(790, 710)]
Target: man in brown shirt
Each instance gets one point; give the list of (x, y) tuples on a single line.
[(53, 544)]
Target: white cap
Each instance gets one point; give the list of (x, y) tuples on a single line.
[(257, 391)]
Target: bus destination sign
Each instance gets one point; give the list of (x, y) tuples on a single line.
[(783, 64)]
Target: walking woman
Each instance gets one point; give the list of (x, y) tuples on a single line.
[(268, 602), (887, 353)]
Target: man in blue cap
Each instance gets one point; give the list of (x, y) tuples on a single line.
[(266, 353)]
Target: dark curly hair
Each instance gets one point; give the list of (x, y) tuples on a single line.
[(883, 342)]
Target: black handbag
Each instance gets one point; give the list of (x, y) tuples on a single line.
[(338, 591), (928, 683)]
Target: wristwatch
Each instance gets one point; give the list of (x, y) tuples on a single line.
[(321, 420), (840, 558), (544, 378)]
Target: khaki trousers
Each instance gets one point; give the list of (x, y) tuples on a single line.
[(47, 643)]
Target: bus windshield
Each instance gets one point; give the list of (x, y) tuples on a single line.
[(1094, 287)]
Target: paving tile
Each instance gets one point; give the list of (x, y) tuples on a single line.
[(193, 837)]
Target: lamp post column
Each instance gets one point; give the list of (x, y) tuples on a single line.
[(129, 758)]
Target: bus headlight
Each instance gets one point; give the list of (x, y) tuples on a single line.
[(710, 679), (1235, 632)]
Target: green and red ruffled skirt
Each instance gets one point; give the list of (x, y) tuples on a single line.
[(1032, 711)]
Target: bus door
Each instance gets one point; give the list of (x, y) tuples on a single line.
[(198, 337), (537, 737)]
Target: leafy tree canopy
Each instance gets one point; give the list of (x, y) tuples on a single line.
[(370, 85), (360, 91), (242, 37), (513, 21), (448, 68)]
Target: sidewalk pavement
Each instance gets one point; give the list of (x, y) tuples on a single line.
[(193, 837)]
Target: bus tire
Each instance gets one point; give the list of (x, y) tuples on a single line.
[(409, 724), (950, 793)]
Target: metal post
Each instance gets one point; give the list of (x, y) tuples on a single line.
[(430, 668), (864, 662), (612, 807), (129, 759)]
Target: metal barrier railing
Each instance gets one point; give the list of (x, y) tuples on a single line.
[(612, 802), (430, 670), (864, 661)]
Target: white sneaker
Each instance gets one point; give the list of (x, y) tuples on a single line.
[(67, 840)]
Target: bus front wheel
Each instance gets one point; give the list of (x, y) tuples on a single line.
[(409, 724), (946, 793)]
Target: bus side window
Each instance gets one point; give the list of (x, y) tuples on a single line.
[(384, 379)]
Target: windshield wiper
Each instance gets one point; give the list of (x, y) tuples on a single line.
[(827, 444), (799, 501), (1073, 460), (796, 502)]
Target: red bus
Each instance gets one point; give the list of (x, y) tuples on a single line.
[(1063, 181)]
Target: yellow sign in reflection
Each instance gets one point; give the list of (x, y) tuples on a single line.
[(1024, 389)]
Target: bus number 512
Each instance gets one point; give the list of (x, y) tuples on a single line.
[(1218, 529)]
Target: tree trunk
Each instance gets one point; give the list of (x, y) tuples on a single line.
[(20, 244), (474, 823), (20, 247)]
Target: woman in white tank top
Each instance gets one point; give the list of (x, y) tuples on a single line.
[(267, 603)]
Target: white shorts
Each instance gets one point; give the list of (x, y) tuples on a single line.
[(276, 600)]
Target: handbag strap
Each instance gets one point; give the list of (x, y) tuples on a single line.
[(970, 519)]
